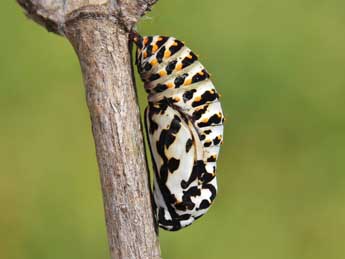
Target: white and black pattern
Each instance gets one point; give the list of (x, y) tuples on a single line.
[(184, 123)]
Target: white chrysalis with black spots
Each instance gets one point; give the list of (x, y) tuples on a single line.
[(184, 122)]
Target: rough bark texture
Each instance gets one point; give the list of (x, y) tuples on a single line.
[(54, 14), (98, 31)]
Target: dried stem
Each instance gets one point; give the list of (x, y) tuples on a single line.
[(98, 31)]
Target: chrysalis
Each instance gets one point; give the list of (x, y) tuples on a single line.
[(184, 123)]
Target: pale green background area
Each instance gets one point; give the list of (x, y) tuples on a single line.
[(279, 66)]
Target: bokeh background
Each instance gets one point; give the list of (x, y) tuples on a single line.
[(279, 66)]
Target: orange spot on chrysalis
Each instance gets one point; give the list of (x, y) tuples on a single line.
[(170, 85), (145, 40), (167, 53), (188, 81), (162, 73), (178, 67), (197, 98), (154, 62), (154, 48)]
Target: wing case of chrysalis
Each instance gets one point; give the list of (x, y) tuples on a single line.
[(184, 123)]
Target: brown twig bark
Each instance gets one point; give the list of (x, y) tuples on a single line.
[(98, 31)]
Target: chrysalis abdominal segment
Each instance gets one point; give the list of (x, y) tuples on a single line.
[(184, 122)]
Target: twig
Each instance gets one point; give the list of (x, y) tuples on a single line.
[(99, 35)]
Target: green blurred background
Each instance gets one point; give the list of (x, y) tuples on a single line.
[(280, 68)]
